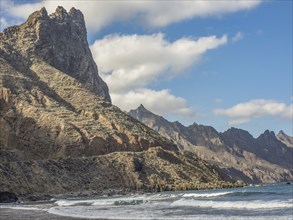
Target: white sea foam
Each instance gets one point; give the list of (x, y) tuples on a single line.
[(21, 208), (206, 195), (256, 204), (147, 214), (245, 203), (103, 202), (106, 213), (73, 202)]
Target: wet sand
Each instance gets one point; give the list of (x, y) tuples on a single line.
[(14, 214)]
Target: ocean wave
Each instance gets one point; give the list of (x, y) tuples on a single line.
[(256, 204), (148, 214), (28, 208), (74, 202), (206, 195), (102, 202), (230, 194), (130, 202)]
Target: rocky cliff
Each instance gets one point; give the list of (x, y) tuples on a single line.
[(239, 155), (59, 131), (59, 40)]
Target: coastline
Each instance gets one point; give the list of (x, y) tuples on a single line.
[(266, 201), (113, 192)]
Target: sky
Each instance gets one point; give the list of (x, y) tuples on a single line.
[(219, 63)]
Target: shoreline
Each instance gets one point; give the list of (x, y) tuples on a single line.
[(116, 192), (105, 193), (182, 204)]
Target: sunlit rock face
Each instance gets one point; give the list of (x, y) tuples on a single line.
[(60, 40)]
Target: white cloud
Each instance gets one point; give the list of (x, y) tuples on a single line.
[(99, 14), (239, 121), (244, 112), (130, 63), (137, 60), (159, 102), (238, 36), (6, 16)]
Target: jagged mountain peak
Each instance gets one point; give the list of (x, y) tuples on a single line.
[(282, 133), (58, 39), (284, 138), (74, 14), (237, 132), (42, 14), (269, 135), (60, 12), (141, 108)]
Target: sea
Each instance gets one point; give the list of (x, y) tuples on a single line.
[(271, 201)]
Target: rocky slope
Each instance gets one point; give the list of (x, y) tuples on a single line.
[(152, 170), (58, 126), (236, 152)]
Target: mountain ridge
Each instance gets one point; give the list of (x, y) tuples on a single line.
[(236, 151)]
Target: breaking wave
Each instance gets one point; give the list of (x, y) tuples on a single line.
[(206, 195), (256, 204), (102, 202)]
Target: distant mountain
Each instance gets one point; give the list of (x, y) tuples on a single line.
[(60, 132), (235, 151), (266, 146)]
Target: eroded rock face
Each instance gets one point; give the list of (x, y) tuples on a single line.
[(48, 114), (60, 40)]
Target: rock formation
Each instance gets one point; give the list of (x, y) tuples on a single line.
[(238, 154), (59, 131), (60, 40)]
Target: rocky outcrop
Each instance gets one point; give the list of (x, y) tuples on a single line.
[(236, 152), (60, 134), (60, 40)]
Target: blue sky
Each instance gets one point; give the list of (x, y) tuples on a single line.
[(221, 64)]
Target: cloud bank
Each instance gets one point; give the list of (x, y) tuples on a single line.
[(131, 63), (244, 112), (99, 14)]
